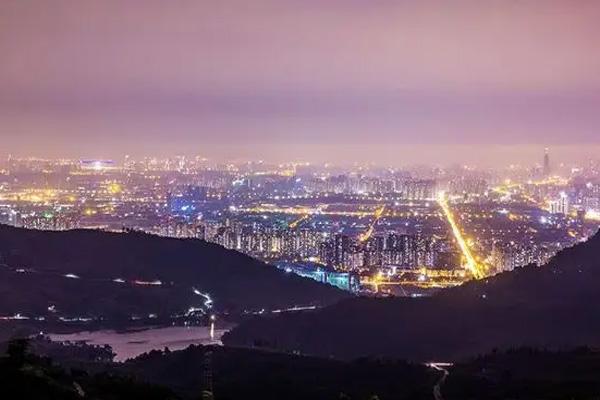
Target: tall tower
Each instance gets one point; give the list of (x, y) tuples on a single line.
[(546, 162), (207, 376)]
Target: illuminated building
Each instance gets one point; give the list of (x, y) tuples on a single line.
[(560, 205), (361, 220), (343, 280), (97, 165), (508, 256), (341, 246), (418, 189)]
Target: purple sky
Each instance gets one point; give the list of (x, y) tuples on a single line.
[(393, 81)]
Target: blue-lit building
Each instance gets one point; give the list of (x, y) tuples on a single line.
[(188, 202), (343, 280)]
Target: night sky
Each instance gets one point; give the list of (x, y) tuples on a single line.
[(338, 80)]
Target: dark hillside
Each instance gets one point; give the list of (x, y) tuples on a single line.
[(550, 306), (94, 274)]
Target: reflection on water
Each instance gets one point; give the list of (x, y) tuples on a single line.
[(130, 344)]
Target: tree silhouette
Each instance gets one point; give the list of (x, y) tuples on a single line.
[(17, 351)]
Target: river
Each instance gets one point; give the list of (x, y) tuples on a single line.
[(130, 344)]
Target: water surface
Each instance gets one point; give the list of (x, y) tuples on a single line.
[(130, 344)]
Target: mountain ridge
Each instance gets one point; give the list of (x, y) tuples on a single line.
[(95, 273), (548, 306)]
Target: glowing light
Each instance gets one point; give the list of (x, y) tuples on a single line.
[(378, 214), (592, 215), (213, 318), (321, 210), (298, 221), (193, 310), (208, 303), (148, 283), (476, 269), (15, 317), (114, 188)]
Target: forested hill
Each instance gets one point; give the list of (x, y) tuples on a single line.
[(88, 273)]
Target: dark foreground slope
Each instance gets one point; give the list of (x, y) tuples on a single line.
[(27, 376), (231, 374), (74, 372), (552, 306), (251, 374), (94, 274), (526, 374)]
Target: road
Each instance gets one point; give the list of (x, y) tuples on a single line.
[(376, 216), (437, 388), (476, 269)]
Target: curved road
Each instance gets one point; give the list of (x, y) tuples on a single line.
[(437, 388)]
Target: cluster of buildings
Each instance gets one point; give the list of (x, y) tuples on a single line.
[(360, 221), (269, 243), (343, 280), (407, 187), (391, 249), (508, 256)]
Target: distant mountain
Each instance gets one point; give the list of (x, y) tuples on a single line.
[(85, 274), (551, 306)]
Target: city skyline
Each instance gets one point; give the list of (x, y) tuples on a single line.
[(402, 156)]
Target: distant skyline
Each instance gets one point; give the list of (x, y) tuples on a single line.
[(392, 82), (387, 156)]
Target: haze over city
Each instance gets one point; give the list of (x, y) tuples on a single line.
[(394, 82)]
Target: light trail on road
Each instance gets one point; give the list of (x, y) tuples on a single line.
[(437, 388), (476, 269), (377, 215), (298, 221), (208, 301)]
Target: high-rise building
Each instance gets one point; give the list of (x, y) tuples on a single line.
[(560, 205), (418, 189), (546, 162), (341, 248), (326, 253)]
